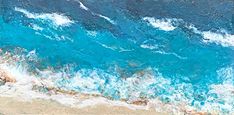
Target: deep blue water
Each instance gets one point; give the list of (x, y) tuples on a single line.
[(108, 52)]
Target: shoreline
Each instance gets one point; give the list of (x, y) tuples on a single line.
[(18, 105), (23, 94), (10, 105)]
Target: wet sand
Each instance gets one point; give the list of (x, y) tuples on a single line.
[(11, 106)]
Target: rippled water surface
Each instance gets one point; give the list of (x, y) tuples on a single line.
[(175, 51)]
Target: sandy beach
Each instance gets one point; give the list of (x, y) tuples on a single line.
[(11, 106), (20, 94), (15, 105), (116, 57)]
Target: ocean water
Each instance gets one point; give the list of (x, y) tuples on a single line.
[(174, 51)]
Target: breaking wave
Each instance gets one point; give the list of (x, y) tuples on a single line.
[(89, 55), (220, 37), (147, 88), (57, 19)]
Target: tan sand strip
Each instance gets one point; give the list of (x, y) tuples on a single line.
[(10, 106)]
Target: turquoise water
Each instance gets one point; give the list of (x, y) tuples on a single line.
[(124, 57)]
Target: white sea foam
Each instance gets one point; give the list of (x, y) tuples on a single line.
[(83, 6), (55, 22), (36, 27), (221, 37), (107, 18), (114, 48), (171, 53), (57, 19), (145, 46), (221, 95), (155, 50), (225, 95), (141, 84), (162, 24), (226, 75), (109, 47), (92, 33), (24, 89)]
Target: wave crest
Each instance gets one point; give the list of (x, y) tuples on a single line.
[(57, 19), (220, 37), (162, 24)]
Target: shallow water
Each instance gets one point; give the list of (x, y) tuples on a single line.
[(127, 50)]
